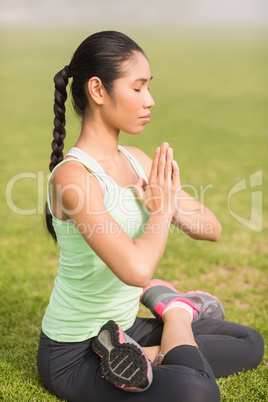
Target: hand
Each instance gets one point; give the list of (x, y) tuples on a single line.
[(158, 195)]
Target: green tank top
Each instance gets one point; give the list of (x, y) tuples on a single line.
[(86, 293)]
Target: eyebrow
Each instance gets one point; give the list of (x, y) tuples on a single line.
[(143, 79)]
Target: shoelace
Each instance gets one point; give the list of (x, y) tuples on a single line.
[(158, 360)]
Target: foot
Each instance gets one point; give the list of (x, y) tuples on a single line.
[(159, 295), (123, 362)]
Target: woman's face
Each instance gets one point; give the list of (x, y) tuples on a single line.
[(129, 107)]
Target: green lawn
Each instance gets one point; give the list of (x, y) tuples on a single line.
[(211, 106)]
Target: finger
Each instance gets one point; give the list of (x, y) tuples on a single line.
[(168, 167), (154, 168), (139, 188), (142, 183), (162, 159), (175, 175)]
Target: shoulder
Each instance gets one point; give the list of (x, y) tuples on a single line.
[(73, 174), (142, 158), (67, 172)]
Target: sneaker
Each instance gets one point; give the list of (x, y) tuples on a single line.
[(123, 362), (158, 295)]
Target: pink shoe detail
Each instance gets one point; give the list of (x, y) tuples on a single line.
[(157, 282), (159, 294), (202, 292), (121, 335), (123, 361), (160, 307)]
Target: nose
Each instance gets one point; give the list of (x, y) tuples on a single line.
[(148, 101)]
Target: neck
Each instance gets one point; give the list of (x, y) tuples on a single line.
[(98, 141)]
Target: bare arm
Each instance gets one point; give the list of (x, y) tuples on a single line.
[(192, 217), (132, 261)]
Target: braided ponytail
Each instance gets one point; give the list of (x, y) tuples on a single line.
[(59, 133)]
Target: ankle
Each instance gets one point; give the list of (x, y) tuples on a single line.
[(177, 313)]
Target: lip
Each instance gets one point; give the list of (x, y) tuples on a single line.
[(146, 118)]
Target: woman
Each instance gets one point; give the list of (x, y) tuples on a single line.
[(109, 208)]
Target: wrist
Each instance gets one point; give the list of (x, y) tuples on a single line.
[(163, 219), (158, 224)]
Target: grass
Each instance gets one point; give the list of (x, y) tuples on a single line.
[(211, 105)]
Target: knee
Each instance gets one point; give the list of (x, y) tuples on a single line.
[(202, 388), (207, 391), (256, 347)]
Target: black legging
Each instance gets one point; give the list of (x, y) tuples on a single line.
[(72, 370)]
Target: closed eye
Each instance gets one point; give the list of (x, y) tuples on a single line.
[(138, 90)]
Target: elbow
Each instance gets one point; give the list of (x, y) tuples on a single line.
[(144, 282), (144, 273), (137, 282), (140, 280), (217, 233), (139, 275)]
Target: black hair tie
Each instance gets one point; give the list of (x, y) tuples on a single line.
[(67, 69)]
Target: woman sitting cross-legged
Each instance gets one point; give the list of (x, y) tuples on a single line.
[(109, 208)]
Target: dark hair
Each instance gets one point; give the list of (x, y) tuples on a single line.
[(100, 55)]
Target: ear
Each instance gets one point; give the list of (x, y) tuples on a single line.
[(96, 90)]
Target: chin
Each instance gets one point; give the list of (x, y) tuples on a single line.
[(138, 131)]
